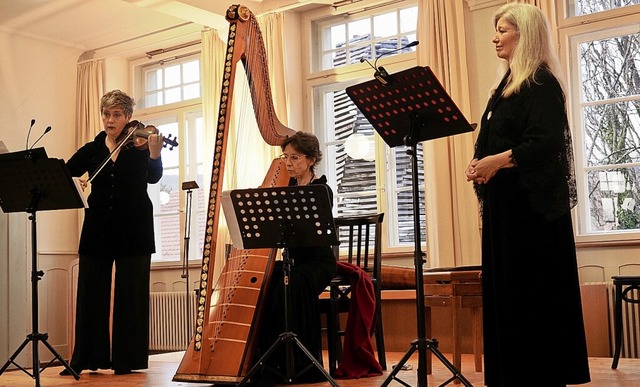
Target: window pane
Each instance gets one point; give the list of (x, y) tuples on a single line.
[(347, 42), (613, 199), (610, 67), (385, 25), (154, 80), (191, 71), (173, 95), (153, 99), (172, 76), (587, 7), (191, 91), (355, 176), (338, 35), (170, 158), (359, 28), (408, 19), (612, 133), (404, 193)]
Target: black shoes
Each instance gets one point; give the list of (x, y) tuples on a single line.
[(118, 371), (66, 372)]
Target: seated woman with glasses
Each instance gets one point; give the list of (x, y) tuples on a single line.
[(312, 269)]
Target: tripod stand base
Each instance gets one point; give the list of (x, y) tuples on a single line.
[(287, 339), (422, 345), (35, 338)]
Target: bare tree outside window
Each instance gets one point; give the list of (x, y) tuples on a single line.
[(610, 106)]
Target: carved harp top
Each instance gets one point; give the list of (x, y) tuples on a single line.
[(221, 349), (248, 45)]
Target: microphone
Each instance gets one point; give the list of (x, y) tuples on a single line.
[(42, 135), (33, 121), (380, 73)]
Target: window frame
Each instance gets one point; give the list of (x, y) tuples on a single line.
[(179, 111), (571, 32)]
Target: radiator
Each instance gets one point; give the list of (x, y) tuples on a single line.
[(169, 329), (630, 323)]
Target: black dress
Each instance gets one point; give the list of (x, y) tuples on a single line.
[(118, 227), (311, 272), (532, 311)]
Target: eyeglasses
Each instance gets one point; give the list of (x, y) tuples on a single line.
[(293, 158)]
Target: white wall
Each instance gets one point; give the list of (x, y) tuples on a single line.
[(37, 80)]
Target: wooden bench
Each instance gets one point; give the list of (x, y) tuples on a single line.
[(455, 289)]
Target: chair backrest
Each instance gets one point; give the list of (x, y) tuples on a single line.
[(363, 234)]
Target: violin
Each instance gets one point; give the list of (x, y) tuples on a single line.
[(136, 134)]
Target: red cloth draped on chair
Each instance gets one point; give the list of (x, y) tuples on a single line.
[(358, 359)]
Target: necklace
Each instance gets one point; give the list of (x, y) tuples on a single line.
[(313, 176)]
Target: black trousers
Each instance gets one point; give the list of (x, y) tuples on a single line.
[(123, 345)]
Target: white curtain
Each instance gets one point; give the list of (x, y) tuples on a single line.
[(452, 210), (89, 90)]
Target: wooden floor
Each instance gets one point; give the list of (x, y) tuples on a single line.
[(162, 368)]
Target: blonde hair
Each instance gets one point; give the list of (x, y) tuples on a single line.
[(534, 48)]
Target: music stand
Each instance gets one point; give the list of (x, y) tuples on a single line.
[(31, 182), (282, 217), (412, 108)]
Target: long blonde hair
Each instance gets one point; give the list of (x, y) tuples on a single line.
[(534, 48)]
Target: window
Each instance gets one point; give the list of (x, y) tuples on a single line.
[(171, 80), (367, 176), (344, 42), (604, 68), (168, 93), (588, 7)]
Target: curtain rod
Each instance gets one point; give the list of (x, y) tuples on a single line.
[(159, 51), (88, 55)]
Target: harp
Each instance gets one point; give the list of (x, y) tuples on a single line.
[(229, 313)]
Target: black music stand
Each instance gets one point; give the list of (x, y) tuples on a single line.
[(411, 109), (31, 182), (282, 217)]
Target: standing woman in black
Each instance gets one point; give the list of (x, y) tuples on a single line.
[(523, 174), (118, 227)]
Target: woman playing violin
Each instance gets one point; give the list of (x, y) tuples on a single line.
[(117, 228)]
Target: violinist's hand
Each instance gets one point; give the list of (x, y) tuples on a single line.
[(156, 142), (83, 183)]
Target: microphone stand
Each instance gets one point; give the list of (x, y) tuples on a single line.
[(188, 186)]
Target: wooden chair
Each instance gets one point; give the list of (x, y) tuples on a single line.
[(364, 236), (627, 289)]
